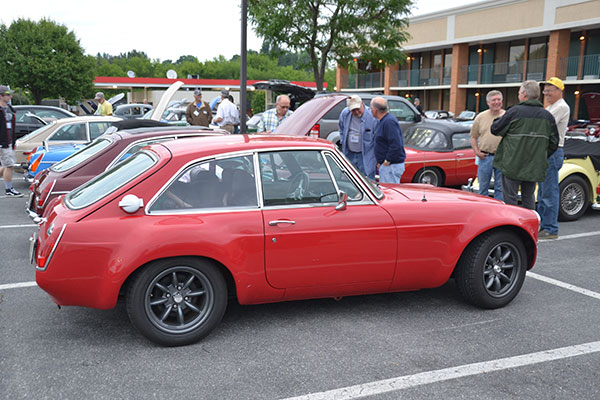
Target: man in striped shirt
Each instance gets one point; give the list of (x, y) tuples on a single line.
[(272, 118)]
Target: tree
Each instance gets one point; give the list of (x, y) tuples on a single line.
[(342, 29), (45, 58)]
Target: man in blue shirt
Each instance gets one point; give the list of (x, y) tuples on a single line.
[(389, 144), (357, 135)]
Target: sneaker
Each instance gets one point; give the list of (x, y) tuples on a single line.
[(12, 192), (547, 235)]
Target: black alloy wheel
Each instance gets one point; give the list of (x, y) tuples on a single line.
[(177, 301)]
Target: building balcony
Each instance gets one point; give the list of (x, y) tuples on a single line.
[(364, 80), (580, 68), (503, 73), (421, 77)]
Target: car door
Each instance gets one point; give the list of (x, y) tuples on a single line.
[(310, 243), (464, 156)]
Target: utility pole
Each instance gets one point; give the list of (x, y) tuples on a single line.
[(243, 68)]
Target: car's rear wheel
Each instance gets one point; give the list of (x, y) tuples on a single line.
[(573, 198), (178, 301), (492, 269), (431, 176)]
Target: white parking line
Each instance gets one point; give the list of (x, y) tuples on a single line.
[(424, 378), (564, 285), (17, 226), (573, 236), (17, 285)]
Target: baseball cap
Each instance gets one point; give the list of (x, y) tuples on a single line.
[(99, 96), (197, 92), (5, 90), (554, 81), (224, 92), (353, 102)]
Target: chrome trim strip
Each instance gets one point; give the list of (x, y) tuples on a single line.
[(49, 193), (53, 249)]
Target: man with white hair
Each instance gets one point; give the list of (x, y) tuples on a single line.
[(227, 115), (529, 137), (357, 135), (389, 143), (272, 118)]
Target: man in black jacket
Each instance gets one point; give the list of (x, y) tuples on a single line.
[(7, 140)]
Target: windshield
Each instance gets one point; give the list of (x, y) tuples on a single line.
[(38, 131), (81, 155), (109, 181)]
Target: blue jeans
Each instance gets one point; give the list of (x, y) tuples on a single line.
[(356, 158), (548, 193), (484, 175), (391, 174)]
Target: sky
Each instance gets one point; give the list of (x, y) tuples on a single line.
[(204, 28)]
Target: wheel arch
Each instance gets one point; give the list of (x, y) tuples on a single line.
[(227, 275), (439, 170), (583, 174), (528, 242)]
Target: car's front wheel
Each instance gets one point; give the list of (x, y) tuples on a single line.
[(178, 301), (573, 198), (431, 176), (492, 269)]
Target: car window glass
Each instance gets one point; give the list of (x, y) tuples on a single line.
[(224, 183), (81, 155), (426, 138), (461, 140), (71, 132), (401, 111), (343, 181), (109, 181), (48, 114), (137, 146), (295, 177), (98, 128)]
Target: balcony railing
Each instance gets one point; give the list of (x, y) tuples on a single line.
[(507, 72), (363, 80), (422, 77), (572, 69)]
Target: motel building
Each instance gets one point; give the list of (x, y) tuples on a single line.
[(455, 56)]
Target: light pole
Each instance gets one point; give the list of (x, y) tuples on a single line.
[(243, 69)]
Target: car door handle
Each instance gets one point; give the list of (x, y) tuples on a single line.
[(281, 221), (460, 154)]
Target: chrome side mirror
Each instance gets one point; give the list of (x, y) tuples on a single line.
[(342, 201), (131, 203)]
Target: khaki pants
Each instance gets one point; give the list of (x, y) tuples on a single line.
[(229, 128)]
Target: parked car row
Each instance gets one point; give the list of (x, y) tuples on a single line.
[(179, 226)]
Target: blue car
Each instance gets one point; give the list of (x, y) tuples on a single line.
[(44, 157)]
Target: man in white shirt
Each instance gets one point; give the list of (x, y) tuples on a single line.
[(227, 114), (548, 191)]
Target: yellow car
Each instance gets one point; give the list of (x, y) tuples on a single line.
[(579, 180)]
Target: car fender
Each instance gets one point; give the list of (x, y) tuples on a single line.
[(582, 167)]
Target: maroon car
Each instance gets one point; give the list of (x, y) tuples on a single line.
[(98, 156)]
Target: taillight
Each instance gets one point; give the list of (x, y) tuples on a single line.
[(30, 153), (36, 163), (44, 255), (315, 131), (45, 194)]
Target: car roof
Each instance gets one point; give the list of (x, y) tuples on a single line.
[(168, 130), (221, 144), (444, 126), (42, 107)]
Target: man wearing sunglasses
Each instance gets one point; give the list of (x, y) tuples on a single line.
[(272, 118)]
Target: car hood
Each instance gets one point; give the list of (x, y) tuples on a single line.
[(421, 192), (308, 114), (592, 103)]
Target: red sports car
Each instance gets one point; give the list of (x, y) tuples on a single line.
[(184, 226)]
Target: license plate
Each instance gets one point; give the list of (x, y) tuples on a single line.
[(33, 247)]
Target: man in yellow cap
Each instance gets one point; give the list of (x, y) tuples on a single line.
[(548, 191)]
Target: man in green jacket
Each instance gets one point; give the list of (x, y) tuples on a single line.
[(529, 137)]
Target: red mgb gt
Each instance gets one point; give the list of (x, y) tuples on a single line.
[(181, 227)]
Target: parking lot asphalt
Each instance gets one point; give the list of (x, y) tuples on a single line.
[(424, 344)]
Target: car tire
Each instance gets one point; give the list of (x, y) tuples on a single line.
[(431, 176), (492, 269), (177, 301), (573, 198)]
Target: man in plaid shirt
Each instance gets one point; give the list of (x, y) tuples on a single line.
[(272, 118)]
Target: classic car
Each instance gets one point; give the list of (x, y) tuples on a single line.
[(579, 180), (66, 130), (438, 153), (439, 114), (182, 227), (103, 153), (32, 117), (588, 129), (129, 111), (45, 156)]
